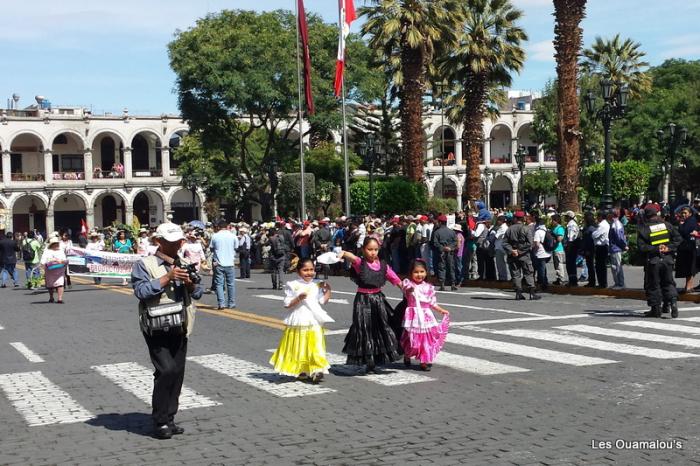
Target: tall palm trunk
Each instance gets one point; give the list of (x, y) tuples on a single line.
[(567, 44), (411, 109), (473, 131)]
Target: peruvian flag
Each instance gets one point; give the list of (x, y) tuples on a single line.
[(347, 16), (83, 227)]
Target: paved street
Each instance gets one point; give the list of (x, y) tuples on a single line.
[(545, 382)]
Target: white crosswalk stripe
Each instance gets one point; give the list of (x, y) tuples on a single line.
[(138, 380), (475, 365), (41, 402), (526, 351), (662, 326), (389, 378), (257, 376), (26, 352), (671, 340), (566, 338), (689, 319)]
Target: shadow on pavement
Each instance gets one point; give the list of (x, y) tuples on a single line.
[(135, 423), (615, 313)]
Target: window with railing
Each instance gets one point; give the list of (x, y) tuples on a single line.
[(141, 173)]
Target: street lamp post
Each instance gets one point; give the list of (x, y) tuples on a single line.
[(614, 107), (520, 155), (440, 87), (370, 150), (671, 143)]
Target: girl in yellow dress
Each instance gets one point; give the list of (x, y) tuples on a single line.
[(301, 352)]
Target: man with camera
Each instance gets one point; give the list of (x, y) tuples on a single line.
[(165, 287)]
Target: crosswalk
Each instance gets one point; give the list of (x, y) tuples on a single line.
[(474, 350)]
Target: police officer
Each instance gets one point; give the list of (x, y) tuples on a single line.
[(279, 256), (444, 244), (161, 285), (659, 240), (517, 242)]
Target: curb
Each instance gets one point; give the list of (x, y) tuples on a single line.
[(631, 293)]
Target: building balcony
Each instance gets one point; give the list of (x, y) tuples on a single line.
[(98, 173), (147, 173), (68, 176), (27, 177)]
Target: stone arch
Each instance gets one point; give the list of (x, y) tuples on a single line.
[(174, 141), (501, 190), (525, 135), (451, 187), (178, 130), (111, 132), (449, 134), (72, 132), (42, 140), (107, 147), (500, 139), (154, 210), (146, 153), (180, 202), (105, 212), (60, 194), (68, 213), (28, 211)]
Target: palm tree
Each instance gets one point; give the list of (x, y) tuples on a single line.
[(489, 50), (567, 45), (407, 34), (619, 61)]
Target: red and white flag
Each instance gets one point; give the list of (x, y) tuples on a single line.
[(304, 35), (347, 16), (83, 227)]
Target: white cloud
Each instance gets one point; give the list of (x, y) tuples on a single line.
[(542, 51), (682, 46)]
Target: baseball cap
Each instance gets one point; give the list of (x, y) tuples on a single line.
[(519, 214), (442, 218), (170, 232)]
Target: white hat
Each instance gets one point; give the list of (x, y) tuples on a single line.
[(170, 232), (54, 240), (570, 214), (457, 227)]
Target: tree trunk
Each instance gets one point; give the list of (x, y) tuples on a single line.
[(567, 44), (411, 109), (473, 134)]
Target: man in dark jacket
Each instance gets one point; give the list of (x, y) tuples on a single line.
[(517, 242), (658, 241), (321, 242), (444, 242), (8, 258)]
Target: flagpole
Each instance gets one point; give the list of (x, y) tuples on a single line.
[(301, 124), (341, 12)]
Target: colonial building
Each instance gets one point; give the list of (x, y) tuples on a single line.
[(499, 169), (61, 165)]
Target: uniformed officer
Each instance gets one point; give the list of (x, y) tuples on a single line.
[(161, 285), (517, 242), (659, 240)]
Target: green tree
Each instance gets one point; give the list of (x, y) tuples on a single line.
[(620, 61), (236, 79), (630, 180), (568, 15), (408, 34), (489, 49), (541, 183)]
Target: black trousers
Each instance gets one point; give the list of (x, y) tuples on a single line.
[(601, 265), (571, 270), (485, 265), (659, 284), (168, 354), (521, 271), (277, 267), (244, 263), (446, 267)]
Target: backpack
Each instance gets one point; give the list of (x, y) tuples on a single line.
[(549, 242), (27, 251), (486, 242), (278, 246)]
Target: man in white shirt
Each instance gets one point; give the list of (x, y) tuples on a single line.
[(600, 242)]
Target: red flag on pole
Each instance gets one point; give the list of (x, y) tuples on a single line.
[(83, 227), (347, 16), (304, 34)]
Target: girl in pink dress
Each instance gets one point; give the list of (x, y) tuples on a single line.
[(423, 336)]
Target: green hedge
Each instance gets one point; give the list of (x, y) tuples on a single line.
[(396, 196)]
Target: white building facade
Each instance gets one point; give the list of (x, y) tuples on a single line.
[(62, 165)]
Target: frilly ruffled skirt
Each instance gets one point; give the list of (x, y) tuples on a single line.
[(371, 338), (425, 344), (302, 350)]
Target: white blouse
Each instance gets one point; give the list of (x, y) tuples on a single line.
[(309, 311)]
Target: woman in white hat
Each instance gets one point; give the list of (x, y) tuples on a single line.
[(54, 261)]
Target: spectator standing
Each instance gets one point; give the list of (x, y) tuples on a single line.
[(602, 243), (571, 248), (539, 254), (559, 255), (444, 243), (322, 243), (8, 257), (223, 245), (500, 230), (31, 248), (244, 245), (617, 245), (686, 258), (459, 252), (588, 246), (517, 243), (485, 247)]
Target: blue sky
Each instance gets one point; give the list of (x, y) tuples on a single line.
[(109, 55)]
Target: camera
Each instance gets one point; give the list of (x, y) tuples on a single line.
[(191, 270)]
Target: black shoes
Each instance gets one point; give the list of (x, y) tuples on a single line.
[(534, 296), (674, 310), (665, 311), (454, 288), (442, 288), (654, 312), (519, 295), (162, 432), (407, 362), (176, 429)]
